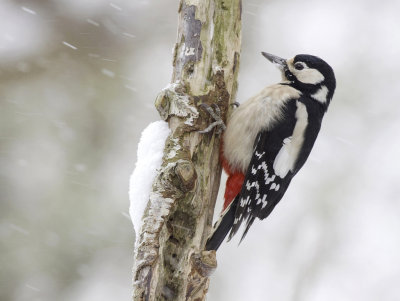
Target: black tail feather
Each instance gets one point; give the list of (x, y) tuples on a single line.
[(222, 228), (250, 221)]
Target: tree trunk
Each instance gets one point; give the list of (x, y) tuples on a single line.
[(169, 261)]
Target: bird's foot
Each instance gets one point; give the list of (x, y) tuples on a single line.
[(215, 113)]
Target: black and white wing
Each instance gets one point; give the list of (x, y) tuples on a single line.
[(278, 154), (262, 188)]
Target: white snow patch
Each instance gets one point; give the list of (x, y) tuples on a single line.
[(90, 21), (94, 55), (108, 72), (113, 5), (18, 229), (28, 10), (69, 45), (129, 35), (131, 88), (31, 287), (149, 159)]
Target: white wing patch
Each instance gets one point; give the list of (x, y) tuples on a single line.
[(288, 154), (282, 162)]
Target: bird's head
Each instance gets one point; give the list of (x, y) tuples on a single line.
[(309, 74)]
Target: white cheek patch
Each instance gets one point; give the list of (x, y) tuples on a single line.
[(309, 76), (321, 95)]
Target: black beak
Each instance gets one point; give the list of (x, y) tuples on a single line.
[(280, 62)]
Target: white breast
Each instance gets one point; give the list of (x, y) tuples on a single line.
[(258, 113)]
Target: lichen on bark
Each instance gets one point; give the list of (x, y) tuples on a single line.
[(170, 263)]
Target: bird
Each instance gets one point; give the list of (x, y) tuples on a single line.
[(268, 139)]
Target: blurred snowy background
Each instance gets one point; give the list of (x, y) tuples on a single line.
[(77, 85)]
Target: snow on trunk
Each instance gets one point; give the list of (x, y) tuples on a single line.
[(149, 158)]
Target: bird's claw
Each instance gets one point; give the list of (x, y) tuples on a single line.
[(235, 104), (215, 113)]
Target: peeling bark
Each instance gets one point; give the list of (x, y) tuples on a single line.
[(169, 261)]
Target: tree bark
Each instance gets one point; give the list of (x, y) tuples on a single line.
[(169, 261)]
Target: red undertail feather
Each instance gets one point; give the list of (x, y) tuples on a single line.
[(233, 183), (233, 187)]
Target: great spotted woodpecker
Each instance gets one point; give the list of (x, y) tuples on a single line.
[(269, 138)]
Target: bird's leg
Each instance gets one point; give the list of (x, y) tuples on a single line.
[(215, 113)]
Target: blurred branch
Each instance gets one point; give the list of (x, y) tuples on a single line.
[(169, 261)]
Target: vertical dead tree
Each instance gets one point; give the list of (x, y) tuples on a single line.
[(169, 261)]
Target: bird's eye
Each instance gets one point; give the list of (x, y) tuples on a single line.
[(299, 66)]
